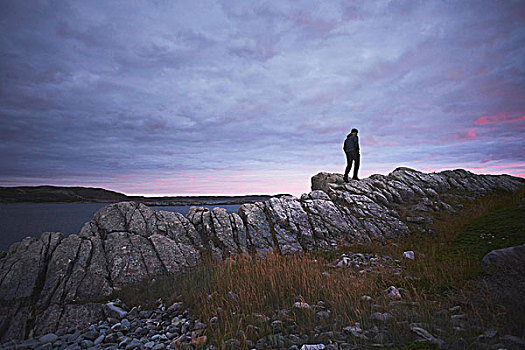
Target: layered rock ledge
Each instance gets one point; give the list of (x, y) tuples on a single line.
[(52, 282)]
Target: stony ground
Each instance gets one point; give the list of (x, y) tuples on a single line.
[(302, 326)]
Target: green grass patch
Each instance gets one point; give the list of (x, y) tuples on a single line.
[(500, 229)]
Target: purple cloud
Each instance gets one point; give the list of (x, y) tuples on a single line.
[(230, 97)]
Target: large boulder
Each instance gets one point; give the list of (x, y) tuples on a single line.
[(49, 282), (505, 281)]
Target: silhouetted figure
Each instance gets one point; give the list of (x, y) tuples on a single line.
[(351, 148)]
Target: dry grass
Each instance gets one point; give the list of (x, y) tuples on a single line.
[(245, 291)]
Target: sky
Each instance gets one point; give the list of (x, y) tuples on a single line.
[(254, 97)]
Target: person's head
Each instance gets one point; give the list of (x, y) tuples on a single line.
[(354, 131)]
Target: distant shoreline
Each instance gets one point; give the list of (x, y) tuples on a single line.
[(59, 194)]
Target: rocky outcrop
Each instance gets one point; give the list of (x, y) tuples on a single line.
[(53, 281), (504, 280)]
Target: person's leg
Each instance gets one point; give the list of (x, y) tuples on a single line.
[(348, 165), (357, 160)]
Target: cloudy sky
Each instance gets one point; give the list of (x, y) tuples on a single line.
[(240, 97)]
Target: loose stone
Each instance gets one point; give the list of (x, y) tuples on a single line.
[(313, 347), (409, 255), (393, 293), (301, 305), (48, 338)]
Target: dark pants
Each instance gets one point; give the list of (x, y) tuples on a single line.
[(352, 157)]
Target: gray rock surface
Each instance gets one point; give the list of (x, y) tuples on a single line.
[(505, 281), (49, 283)]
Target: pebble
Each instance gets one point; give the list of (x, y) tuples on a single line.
[(425, 335), (301, 305), (125, 341), (214, 322), (231, 296), (176, 307), (313, 347), (48, 338), (409, 255), (91, 335), (134, 344), (393, 293), (99, 339), (125, 323), (454, 309), (117, 327), (73, 347), (86, 344), (111, 338), (114, 311), (277, 326)]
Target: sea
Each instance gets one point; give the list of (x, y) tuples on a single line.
[(18, 221)]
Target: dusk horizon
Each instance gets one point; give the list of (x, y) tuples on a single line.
[(227, 98), (218, 194)]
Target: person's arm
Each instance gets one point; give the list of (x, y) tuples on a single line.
[(357, 144)]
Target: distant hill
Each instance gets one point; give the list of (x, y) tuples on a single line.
[(57, 194), (54, 194)]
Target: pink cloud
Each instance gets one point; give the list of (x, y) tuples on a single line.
[(471, 134), (468, 134), (501, 118), (482, 121)]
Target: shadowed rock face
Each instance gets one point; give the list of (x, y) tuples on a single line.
[(42, 280), (505, 281)]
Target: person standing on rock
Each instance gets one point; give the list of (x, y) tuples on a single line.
[(351, 148)]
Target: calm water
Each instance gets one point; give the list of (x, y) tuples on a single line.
[(18, 221)]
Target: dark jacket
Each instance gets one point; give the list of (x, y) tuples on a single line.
[(351, 144)]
